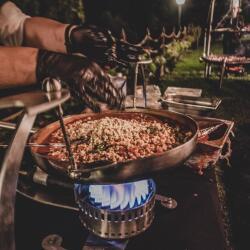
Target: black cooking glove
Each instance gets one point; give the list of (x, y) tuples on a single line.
[(99, 45), (85, 78)]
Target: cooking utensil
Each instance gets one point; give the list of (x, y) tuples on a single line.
[(104, 172)]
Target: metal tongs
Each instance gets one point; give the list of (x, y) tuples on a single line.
[(203, 133), (53, 85)]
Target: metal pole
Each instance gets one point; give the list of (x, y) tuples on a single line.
[(209, 38), (144, 85), (136, 68), (179, 16), (210, 28), (8, 181), (33, 104), (205, 43)]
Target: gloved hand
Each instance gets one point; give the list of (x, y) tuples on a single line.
[(99, 45), (85, 78)]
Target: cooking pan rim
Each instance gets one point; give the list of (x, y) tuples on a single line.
[(193, 126)]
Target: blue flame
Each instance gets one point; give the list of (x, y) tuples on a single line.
[(120, 196)]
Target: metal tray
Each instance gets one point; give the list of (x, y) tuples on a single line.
[(219, 136), (191, 105), (183, 91)]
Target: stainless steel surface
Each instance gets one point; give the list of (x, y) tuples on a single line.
[(217, 130), (60, 199), (202, 102), (40, 177), (188, 101), (210, 26), (45, 146), (191, 105), (123, 171), (52, 242), (47, 196), (50, 85), (144, 85), (137, 65), (8, 181), (135, 83), (194, 92), (152, 97), (33, 103), (117, 224), (206, 131), (208, 36), (66, 138)]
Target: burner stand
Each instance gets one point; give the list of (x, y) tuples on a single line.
[(117, 223)]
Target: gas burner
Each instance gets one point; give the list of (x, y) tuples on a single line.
[(116, 211)]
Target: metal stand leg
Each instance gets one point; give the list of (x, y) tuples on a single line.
[(222, 73), (135, 84), (8, 181), (144, 85), (206, 71), (209, 70), (34, 103)]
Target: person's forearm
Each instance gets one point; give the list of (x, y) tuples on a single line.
[(18, 66), (44, 33)]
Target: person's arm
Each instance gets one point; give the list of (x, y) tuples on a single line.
[(91, 41), (44, 33), (86, 80), (18, 29), (11, 24), (18, 66)]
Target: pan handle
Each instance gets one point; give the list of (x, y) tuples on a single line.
[(12, 126), (83, 174)]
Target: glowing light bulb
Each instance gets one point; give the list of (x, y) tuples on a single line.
[(180, 2)]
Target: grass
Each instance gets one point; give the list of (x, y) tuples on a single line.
[(235, 95), (190, 65)]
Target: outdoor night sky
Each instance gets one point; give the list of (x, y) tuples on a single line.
[(135, 16)]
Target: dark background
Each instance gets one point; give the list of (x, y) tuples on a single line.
[(133, 15)]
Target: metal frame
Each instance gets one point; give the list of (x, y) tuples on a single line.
[(33, 104), (208, 33), (208, 39), (140, 66), (116, 223)]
